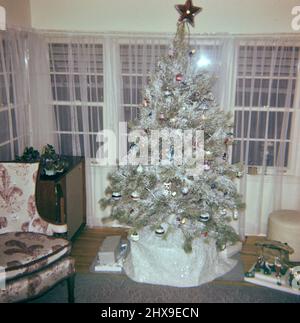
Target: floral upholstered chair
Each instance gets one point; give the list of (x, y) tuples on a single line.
[(31, 259)]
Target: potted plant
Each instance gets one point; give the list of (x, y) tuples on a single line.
[(49, 168), (52, 163), (30, 155)]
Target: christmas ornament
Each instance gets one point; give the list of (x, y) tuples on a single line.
[(223, 212), (206, 167), (204, 107), (228, 141), (135, 236), (192, 52), (167, 189), (135, 196), (174, 194), (167, 92), (140, 169), (116, 196), (171, 52), (235, 215), (185, 190), (146, 103), (239, 174), (179, 77), (208, 155), (162, 116), (205, 217), (183, 221), (223, 247), (187, 12), (168, 186), (160, 231)]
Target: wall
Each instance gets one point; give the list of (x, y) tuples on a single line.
[(234, 16), (18, 13)]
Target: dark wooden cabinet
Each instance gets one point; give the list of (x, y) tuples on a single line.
[(61, 198)]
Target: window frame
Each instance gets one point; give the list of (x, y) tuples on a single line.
[(15, 138), (61, 104), (293, 154)]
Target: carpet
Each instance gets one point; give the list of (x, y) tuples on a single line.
[(118, 288)]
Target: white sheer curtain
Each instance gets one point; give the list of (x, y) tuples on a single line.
[(85, 100), (266, 115), (14, 94), (41, 122)]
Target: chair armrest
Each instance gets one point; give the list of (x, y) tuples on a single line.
[(58, 228)]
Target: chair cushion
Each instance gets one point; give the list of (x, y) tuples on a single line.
[(35, 284), (24, 252)]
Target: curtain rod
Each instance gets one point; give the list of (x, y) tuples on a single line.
[(127, 34)]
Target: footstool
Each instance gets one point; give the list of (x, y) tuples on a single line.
[(284, 226)]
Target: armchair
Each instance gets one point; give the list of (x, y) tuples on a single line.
[(32, 260)]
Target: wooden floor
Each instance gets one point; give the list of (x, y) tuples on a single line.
[(86, 245)]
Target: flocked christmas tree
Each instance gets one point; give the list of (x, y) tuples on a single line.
[(167, 197)]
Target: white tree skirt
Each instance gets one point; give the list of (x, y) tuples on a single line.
[(157, 261)]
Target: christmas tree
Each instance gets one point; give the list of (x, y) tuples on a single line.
[(167, 196)]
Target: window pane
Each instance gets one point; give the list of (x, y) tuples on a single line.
[(78, 58), (4, 127), (140, 59), (261, 153), (282, 93), (95, 119), (131, 113), (268, 61), (95, 89), (5, 153), (60, 87), (63, 118), (132, 89), (270, 125)]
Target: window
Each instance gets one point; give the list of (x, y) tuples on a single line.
[(264, 103), (138, 60), (13, 100), (76, 71)]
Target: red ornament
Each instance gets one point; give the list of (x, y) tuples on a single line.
[(179, 77)]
